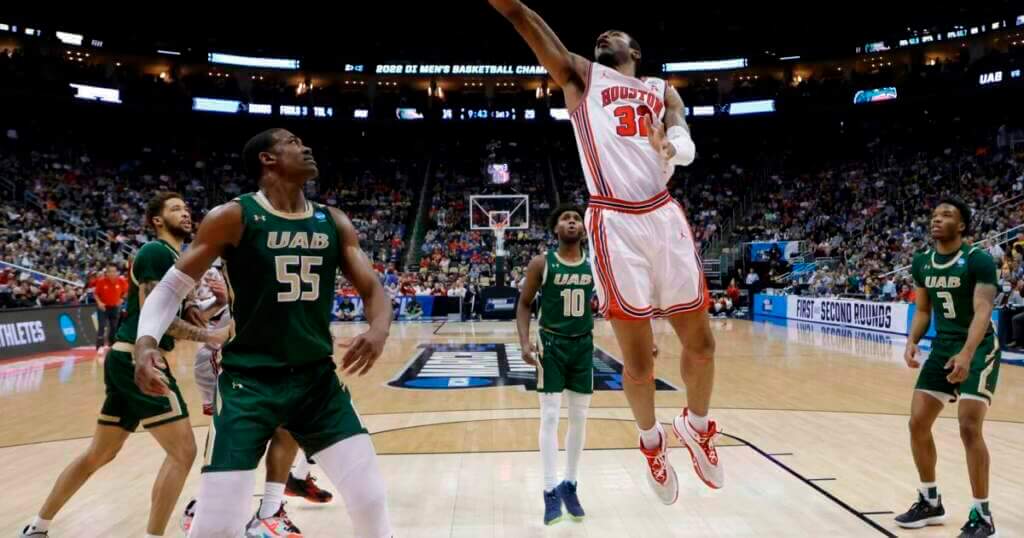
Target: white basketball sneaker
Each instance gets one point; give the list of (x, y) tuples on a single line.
[(661, 476), (702, 449)]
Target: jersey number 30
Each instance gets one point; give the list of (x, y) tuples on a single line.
[(297, 278)]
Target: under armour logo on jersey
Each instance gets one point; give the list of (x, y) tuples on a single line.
[(236, 385), (258, 218)]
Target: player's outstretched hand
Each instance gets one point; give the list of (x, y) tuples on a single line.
[(658, 138), (363, 352), (149, 376), (961, 364), (910, 355), (530, 354)]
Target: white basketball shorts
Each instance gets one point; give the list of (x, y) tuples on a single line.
[(644, 257)]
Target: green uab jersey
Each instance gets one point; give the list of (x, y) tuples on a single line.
[(281, 277), (150, 264), (950, 281), (565, 296)]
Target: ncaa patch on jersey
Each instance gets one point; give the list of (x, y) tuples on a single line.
[(470, 366)]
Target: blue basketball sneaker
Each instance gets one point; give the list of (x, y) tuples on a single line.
[(552, 507), (567, 491)]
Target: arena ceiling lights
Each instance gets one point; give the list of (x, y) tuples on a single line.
[(70, 39), (252, 61), (710, 65), (96, 93)]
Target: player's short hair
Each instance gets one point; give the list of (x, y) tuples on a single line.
[(252, 149), (156, 205), (556, 215), (962, 208)]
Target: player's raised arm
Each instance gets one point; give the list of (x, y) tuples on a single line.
[(534, 280), (221, 228), (367, 347), (568, 69)]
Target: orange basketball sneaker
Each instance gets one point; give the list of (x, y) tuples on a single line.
[(702, 449), (661, 476)]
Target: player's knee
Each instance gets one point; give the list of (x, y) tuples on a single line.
[(183, 453), (96, 458), (639, 372), (970, 431), (700, 349), (549, 416), (919, 427)]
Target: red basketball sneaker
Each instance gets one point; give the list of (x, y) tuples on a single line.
[(307, 489), (661, 475), (702, 449)]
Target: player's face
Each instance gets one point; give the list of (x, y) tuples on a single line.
[(570, 227), (612, 48), (176, 218), (946, 223), (294, 158)]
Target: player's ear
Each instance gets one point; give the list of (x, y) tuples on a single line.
[(267, 158), (635, 55)]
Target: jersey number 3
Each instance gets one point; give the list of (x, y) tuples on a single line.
[(296, 280), (629, 120)]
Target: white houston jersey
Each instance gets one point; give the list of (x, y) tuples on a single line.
[(618, 161), (203, 293)]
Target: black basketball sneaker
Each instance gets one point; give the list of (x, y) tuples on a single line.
[(978, 527), (922, 514)]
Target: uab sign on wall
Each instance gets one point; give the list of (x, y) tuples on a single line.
[(40, 330)]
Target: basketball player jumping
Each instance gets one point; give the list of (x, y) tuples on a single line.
[(210, 308), (281, 256), (956, 283), (163, 415), (566, 361), (642, 248)]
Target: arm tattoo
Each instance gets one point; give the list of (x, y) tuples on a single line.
[(179, 329), (182, 330)]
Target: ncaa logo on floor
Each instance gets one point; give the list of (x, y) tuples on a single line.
[(469, 366)]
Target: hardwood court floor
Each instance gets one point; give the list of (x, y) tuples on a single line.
[(815, 444)]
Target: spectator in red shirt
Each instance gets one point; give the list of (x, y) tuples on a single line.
[(907, 294), (439, 291), (109, 292), (733, 291)]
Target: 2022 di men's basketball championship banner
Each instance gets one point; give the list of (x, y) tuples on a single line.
[(39, 330)]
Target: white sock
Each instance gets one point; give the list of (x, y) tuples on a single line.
[(300, 469), (39, 524), (576, 435), (981, 505), (273, 496), (154, 535), (930, 492), (550, 404), (698, 422), (651, 438)]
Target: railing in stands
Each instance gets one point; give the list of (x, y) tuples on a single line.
[(41, 274), (416, 235), (1000, 238)]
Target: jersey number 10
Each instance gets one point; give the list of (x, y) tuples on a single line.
[(295, 280), (629, 120), (573, 303)]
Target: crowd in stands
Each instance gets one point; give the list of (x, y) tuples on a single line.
[(866, 219)]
